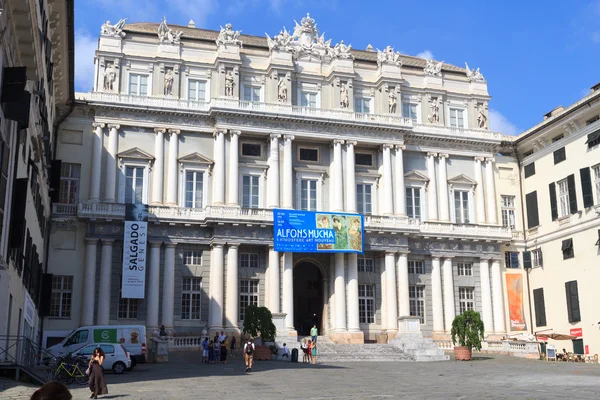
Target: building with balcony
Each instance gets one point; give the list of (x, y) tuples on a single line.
[(36, 82), (213, 130)]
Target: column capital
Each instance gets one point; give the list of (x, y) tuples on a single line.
[(288, 137), (89, 240), (98, 124), (106, 241), (114, 126), (448, 257), (480, 159), (233, 245), (219, 131), (155, 243), (442, 155), (160, 130), (338, 141), (235, 133), (351, 143), (274, 136), (218, 244), (170, 245), (403, 253), (429, 154), (400, 147), (387, 146), (490, 160), (174, 131), (438, 258), (390, 253)]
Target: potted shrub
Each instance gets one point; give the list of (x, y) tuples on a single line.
[(258, 321), (467, 331)]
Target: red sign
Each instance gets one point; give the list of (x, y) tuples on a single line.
[(587, 349), (542, 338), (577, 332)]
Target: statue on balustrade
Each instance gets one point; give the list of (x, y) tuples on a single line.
[(282, 90), (481, 117), (393, 101), (113, 30), (434, 110), (110, 75), (229, 36), (169, 82), (229, 84), (344, 101)]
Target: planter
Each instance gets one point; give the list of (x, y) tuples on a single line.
[(262, 353), (462, 353)]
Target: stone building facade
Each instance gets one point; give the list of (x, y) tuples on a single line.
[(215, 129)]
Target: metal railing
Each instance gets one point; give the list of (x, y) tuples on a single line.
[(23, 355)]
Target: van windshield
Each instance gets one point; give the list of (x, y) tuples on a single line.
[(78, 337)]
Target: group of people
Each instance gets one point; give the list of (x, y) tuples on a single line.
[(215, 351), (309, 347)]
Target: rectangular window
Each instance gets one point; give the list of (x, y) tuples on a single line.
[(248, 295), (362, 105), (508, 212), (69, 183), (191, 290), (366, 304), (527, 153), (457, 117), (196, 90), (410, 111), (596, 170), (364, 198), (416, 296), (592, 120), (563, 199), (192, 257), (308, 99), (511, 259), (531, 202), (557, 138), (466, 299), (364, 159), (194, 189), (128, 308), (560, 155), (249, 260), (461, 206), (416, 267), (251, 150), (540, 307), (252, 93), (366, 265), (529, 170), (567, 249), (537, 258), (138, 84), (62, 294), (465, 269), (413, 202), (593, 139), (308, 154), (308, 194), (573, 301), (250, 188), (134, 185)]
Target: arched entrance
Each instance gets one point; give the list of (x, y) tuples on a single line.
[(308, 297)]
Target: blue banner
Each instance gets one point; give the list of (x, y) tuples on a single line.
[(317, 232)]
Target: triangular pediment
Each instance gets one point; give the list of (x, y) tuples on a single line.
[(416, 176), (195, 158), (136, 154), (462, 180)]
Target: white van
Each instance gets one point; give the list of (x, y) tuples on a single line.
[(133, 337)]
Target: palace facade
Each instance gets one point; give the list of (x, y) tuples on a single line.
[(213, 130)]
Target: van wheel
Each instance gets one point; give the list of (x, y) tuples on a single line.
[(119, 367), (133, 364)]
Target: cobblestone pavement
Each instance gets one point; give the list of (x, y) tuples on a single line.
[(483, 378)]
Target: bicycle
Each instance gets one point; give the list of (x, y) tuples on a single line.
[(70, 370)]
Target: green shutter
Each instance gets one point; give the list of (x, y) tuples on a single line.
[(586, 187), (553, 205), (540, 307), (573, 301), (572, 193), (533, 218), (526, 259)]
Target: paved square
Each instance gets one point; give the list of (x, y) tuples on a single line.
[(483, 378)]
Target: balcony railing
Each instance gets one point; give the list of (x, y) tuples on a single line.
[(66, 210), (146, 101), (457, 132)]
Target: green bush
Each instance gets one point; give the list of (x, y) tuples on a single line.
[(467, 330), (259, 321)]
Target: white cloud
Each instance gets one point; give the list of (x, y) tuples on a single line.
[(499, 123), (198, 10), (85, 50), (426, 54)]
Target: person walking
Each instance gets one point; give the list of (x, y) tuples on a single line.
[(249, 355), (205, 350), (314, 333), (232, 345), (309, 347), (211, 353), (97, 384), (217, 352), (52, 391), (223, 350), (314, 353)]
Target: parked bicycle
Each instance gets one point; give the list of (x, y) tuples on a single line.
[(70, 369)]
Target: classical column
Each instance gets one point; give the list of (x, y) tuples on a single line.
[(103, 316), (232, 299), (391, 297), (403, 297), (338, 178), (497, 298), (490, 189), (153, 285), (158, 171), (326, 307), (218, 195), (383, 273), (340, 293), (400, 194), (96, 175), (233, 194), (273, 273), (436, 295), (273, 174), (216, 287), (388, 196), (486, 295), (168, 294), (479, 191), (110, 185), (352, 288), (89, 282), (288, 290), (288, 174), (172, 170), (332, 293), (432, 212), (449, 307), (350, 180), (443, 181)]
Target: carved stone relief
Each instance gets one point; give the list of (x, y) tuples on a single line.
[(169, 82)]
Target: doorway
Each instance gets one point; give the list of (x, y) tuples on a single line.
[(308, 297)]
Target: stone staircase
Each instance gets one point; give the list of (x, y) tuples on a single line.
[(334, 353), (420, 349)]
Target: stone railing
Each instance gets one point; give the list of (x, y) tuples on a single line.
[(444, 344), (101, 210), (507, 347), (466, 230), (384, 221), (60, 209), (517, 235), (146, 101), (457, 132), (184, 342)]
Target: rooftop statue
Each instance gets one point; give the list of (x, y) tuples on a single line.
[(388, 56), (474, 75), (433, 68), (281, 41), (166, 34), (229, 36), (342, 51), (113, 30)]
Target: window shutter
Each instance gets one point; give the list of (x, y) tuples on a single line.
[(586, 187), (529, 170), (573, 301), (572, 193), (553, 205), (526, 259), (514, 259), (541, 258), (540, 307), (533, 219)]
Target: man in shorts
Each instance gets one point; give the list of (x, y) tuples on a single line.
[(205, 350), (314, 332), (249, 355)]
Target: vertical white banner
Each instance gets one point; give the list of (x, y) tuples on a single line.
[(134, 252)]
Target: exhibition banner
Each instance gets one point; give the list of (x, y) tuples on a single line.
[(317, 232), (516, 306), (134, 251)]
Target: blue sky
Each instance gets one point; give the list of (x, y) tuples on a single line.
[(535, 55)]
